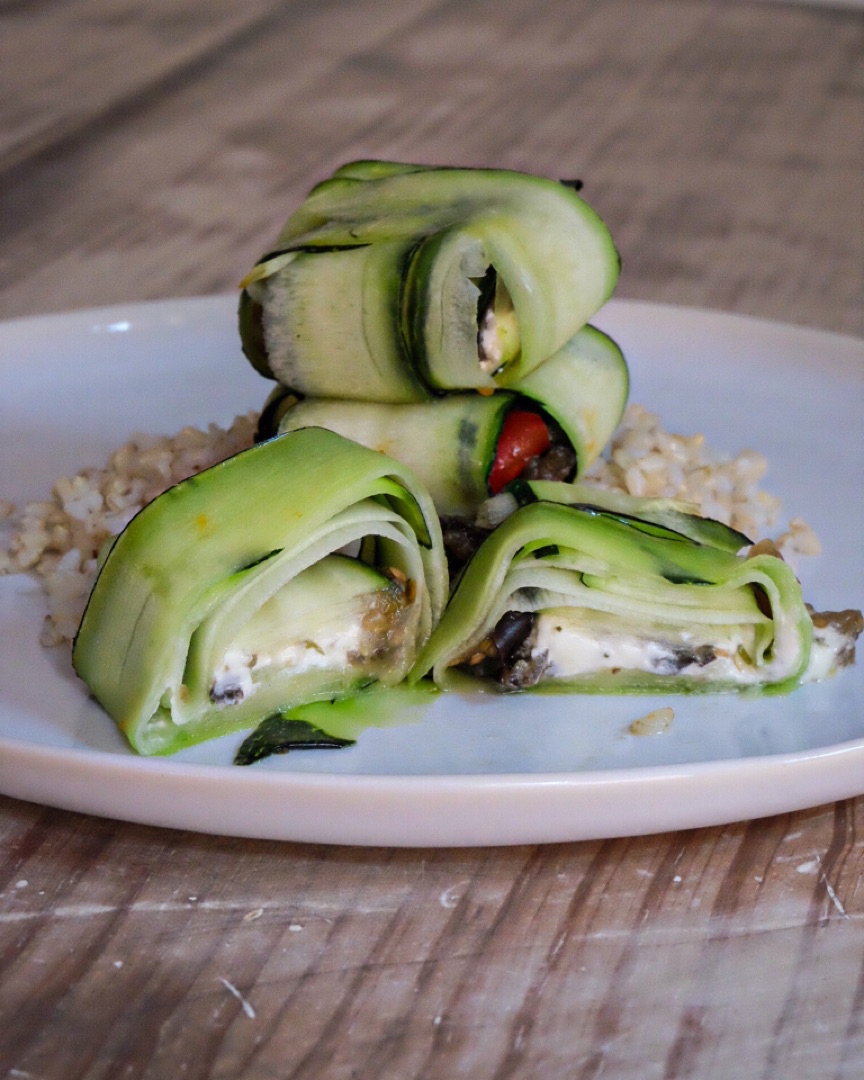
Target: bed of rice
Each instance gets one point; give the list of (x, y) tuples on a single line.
[(58, 539)]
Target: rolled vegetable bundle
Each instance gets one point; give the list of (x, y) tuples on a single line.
[(627, 598), (304, 568), (467, 446), (394, 282)]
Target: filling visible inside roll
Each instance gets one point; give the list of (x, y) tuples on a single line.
[(498, 338), (338, 615)]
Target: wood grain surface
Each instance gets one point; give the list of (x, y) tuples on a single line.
[(152, 149)]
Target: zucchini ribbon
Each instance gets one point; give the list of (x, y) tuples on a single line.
[(302, 569), (450, 442), (395, 282), (624, 596)]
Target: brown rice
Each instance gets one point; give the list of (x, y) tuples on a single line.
[(59, 539)]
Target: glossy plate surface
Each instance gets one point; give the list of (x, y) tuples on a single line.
[(476, 770)]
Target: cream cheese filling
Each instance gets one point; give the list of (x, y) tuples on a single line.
[(829, 644), (573, 648), (241, 672)]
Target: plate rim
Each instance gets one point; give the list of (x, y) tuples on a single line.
[(368, 801)]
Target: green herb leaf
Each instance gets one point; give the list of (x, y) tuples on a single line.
[(279, 734)]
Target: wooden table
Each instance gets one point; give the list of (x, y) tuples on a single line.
[(150, 150)]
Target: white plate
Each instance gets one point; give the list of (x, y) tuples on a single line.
[(473, 770)]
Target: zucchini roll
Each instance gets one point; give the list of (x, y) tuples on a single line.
[(392, 282), (302, 569), (622, 598), (465, 447)]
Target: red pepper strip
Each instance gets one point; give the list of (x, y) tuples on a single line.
[(523, 436)]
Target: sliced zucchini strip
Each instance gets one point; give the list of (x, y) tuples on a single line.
[(578, 598), (451, 442), (302, 569), (584, 386), (672, 514), (436, 279), (329, 324)]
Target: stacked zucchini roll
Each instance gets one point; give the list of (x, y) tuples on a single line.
[(302, 569), (436, 314)]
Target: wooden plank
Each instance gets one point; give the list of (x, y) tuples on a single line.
[(703, 133), (722, 952), (67, 65)]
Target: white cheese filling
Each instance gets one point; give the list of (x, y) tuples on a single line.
[(829, 643), (240, 672), (491, 344), (572, 649), (498, 332)]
